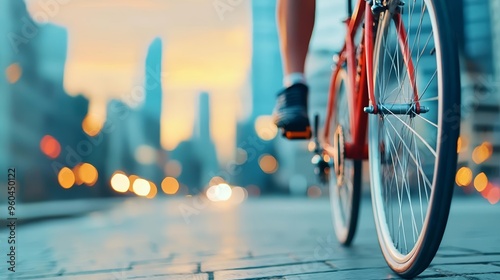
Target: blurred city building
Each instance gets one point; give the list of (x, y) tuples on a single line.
[(255, 135), (41, 124), (132, 128), (480, 141), (197, 157), (48, 135)]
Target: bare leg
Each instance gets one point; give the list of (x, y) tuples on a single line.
[(295, 26)]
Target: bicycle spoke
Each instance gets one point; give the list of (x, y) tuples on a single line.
[(418, 135), (406, 185), (428, 84), (412, 156), (426, 120)]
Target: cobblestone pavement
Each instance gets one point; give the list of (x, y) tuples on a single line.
[(266, 238)]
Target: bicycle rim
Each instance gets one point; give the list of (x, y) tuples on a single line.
[(344, 191), (413, 156)]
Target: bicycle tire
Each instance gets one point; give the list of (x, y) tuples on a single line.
[(344, 198), (386, 149)]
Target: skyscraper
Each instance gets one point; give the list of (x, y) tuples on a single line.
[(151, 109), (266, 78), (198, 155), (134, 135)]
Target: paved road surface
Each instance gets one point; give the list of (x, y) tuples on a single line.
[(265, 238)]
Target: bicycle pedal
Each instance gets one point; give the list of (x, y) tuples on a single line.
[(297, 135)]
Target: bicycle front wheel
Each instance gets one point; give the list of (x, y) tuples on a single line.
[(413, 145)]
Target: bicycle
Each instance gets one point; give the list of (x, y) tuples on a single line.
[(394, 99)]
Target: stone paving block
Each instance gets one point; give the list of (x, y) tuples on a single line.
[(383, 272), (273, 271), (358, 263), (484, 244), (262, 252), (34, 274), (247, 263), (190, 258), (466, 259), (36, 264), (121, 275), (162, 269), (34, 268), (199, 276), (488, 276), (312, 256), (448, 278), (467, 268), (151, 260), (450, 251), (357, 274), (116, 275), (331, 253), (93, 267), (345, 275)]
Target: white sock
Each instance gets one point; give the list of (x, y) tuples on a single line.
[(294, 78)]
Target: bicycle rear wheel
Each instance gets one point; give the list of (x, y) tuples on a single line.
[(345, 181), (413, 155)]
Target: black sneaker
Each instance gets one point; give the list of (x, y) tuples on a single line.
[(290, 112)]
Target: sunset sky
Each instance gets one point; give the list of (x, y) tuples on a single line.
[(203, 51)]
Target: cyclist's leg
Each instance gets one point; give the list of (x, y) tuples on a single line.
[(295, 26)]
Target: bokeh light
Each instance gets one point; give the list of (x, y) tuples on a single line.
[(132, 179), (76, 171), (216, 180), (141, 187), (88, 174), (314, 191), (120, 182), (92, 125), (463, 177), (311, 146), (170, 185), (221, 192), (145, 155), (152, 191), (265, 128), (268, 164), (482, 152), (66, 178), (173, 168), (241, 156), (238, 195), (326, 158), (480, 182), (50, 146), (13, 73), (493, 194)]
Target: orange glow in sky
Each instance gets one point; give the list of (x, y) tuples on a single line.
[(108, 40)]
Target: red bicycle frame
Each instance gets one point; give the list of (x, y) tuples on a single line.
[(361, 79)]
